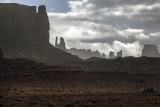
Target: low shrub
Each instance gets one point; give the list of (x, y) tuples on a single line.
[(70, 105), (150, 90)]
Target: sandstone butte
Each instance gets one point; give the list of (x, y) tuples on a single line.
[(24, 33)]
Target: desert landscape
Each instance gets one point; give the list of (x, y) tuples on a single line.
[(36, 73), (34, 84)]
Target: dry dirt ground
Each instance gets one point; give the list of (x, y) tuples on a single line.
[(78, 89)]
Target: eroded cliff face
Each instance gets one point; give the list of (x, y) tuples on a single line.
[(24, 33)]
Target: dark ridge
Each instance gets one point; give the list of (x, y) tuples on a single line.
[(129, 64)]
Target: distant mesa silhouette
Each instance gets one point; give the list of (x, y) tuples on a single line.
[(86, 53), (111, 55), (103, 55), (119, 54), (82, 53), (150, 50)]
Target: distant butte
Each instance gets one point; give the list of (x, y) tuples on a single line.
[(150, 50)]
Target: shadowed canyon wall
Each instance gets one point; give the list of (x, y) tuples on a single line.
[(24, 33)]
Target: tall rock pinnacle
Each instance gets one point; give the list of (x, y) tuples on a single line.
[(61, 45)]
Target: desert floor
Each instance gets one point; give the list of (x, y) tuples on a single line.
[(78, 89)]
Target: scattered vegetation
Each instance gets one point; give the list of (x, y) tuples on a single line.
[(32, 103), (70, 105), (93, 101), (140, 81), (50, 105), (87, 106), (77, 101), (150, 90), (112, 100)]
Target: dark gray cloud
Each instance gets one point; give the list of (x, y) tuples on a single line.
[(137, 14), (116, 3)]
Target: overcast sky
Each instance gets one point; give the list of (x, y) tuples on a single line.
[(104, 25)]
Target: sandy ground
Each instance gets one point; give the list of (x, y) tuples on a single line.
[(79, 89)]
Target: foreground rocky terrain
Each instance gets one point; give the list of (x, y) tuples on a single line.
[(83, 89), (27, 83)]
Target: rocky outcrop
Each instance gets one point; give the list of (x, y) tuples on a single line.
[(82, 53), (119, 54), (61, 45), (103, 55), (111, 55), (85, 54), (24, 33), (150, 50)]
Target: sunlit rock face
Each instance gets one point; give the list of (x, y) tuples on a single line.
[(24, 33), (150, 50)]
